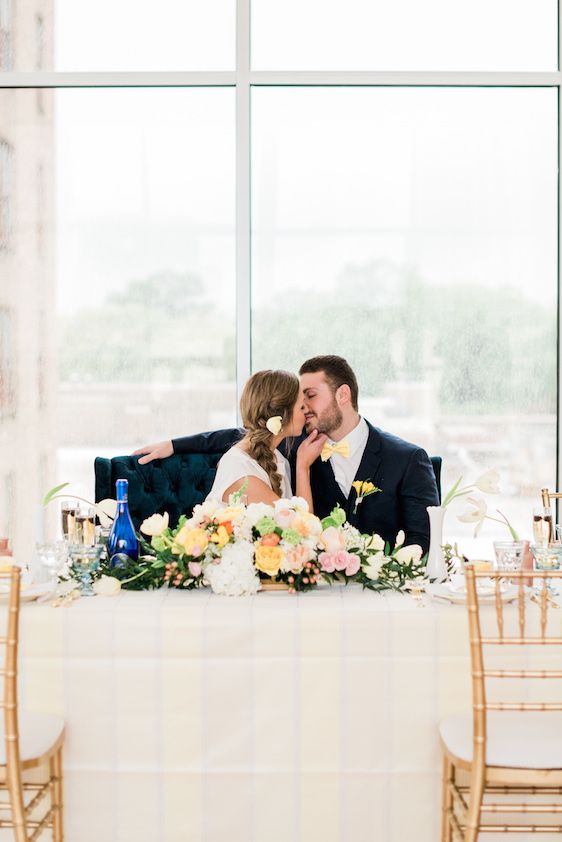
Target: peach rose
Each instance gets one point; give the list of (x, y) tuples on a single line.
[(284, 518), (296, 558), (332, 540), (270, 540)]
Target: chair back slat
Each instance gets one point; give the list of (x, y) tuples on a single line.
[(524, 637), (520, 604), (9, 698), (499, 607)]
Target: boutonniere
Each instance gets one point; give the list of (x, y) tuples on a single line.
[(363, 488)]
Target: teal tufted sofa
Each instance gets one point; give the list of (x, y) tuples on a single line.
[(176, 484)]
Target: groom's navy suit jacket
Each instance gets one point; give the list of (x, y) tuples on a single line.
[(404, 474), (401, 470)]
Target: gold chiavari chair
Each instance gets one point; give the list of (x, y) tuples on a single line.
[(29, 741), (507, 749)]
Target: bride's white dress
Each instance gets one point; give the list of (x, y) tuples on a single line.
[(237, 464)]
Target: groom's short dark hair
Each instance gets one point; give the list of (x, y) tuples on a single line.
[(338, 373)]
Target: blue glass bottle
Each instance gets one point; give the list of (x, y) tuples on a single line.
[(122, 540)]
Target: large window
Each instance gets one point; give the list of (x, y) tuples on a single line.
[(229, 185), (414, 230)]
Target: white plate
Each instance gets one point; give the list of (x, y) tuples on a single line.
[(443, 591), (28, 592)]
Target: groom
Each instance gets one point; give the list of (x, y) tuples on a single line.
[(355, 450)]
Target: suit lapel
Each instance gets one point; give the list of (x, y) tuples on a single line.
[(367, 470)]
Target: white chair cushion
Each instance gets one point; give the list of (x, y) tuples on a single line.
[(38, 732), (517, 740)]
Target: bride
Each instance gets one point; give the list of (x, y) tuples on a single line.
[(271, 406)]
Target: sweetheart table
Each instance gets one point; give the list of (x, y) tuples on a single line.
[(276, 718)]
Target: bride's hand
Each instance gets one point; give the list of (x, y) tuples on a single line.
[(310, 449)]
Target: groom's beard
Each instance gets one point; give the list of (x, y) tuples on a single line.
[(327, 421)]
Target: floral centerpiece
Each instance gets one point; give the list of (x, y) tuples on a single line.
[(236, 549)]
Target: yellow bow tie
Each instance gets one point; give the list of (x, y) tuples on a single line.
[(341, 447)]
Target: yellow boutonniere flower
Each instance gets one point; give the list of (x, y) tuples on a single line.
[(363, 488)]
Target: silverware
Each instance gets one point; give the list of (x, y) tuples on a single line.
[(65, 599)]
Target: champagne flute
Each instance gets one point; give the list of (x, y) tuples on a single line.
[(85, 528), (542, 525), (68, 519)]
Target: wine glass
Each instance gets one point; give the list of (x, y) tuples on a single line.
[(542, 525), (53, 558)]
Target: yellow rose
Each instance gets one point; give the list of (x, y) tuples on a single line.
[(192, 541), (228, 513), (221, 537), (268, 559)]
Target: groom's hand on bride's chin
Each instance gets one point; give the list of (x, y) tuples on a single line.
[(161, 450)]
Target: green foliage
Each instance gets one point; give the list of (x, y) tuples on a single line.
[(50, 495), (336, 518)]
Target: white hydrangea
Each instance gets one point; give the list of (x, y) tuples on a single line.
[(256, 511), (297, 504), (202, 510), (353, 538), (235, 575)]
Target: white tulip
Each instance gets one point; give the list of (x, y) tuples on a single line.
[(372, 566), (107, 586), (105, 511), (488, 483), (155, 525), (400, 538), (404, 555), (375, 543), (474, 512)]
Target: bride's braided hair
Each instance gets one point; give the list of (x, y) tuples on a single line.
[(266, 394)]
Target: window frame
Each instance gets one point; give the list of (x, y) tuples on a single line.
[(243, 79)]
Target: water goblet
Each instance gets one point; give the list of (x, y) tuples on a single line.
[(85, 561)]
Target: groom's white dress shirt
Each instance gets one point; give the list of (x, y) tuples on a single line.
[(345, 468)]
